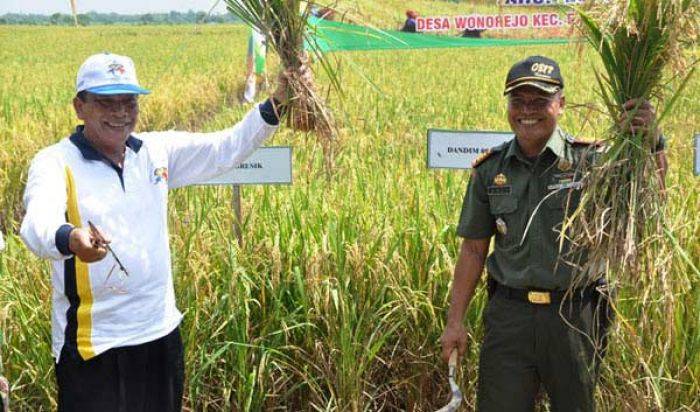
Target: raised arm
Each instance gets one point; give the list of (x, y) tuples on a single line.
[(197, 157)]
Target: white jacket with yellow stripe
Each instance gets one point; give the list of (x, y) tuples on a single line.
[(96, 306)]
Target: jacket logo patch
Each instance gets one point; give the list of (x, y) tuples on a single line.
[(160, 175)]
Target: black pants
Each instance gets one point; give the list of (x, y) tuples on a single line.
[(527, 346), (141, 378)]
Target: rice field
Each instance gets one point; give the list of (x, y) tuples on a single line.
[(338, 294)]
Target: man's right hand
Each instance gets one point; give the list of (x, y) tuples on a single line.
[(454, 336), (86, 245)]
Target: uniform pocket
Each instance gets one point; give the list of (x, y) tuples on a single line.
[(503, 204), (505, 211), (557, 200)]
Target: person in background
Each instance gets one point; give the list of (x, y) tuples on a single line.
[(325, 13), (409, 26), (255, 64), (474, 34)]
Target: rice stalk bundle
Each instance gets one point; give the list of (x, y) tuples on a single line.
[(619, 226), (285, 25)]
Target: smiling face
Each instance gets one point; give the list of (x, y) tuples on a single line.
[(533, 113), (109, 119)]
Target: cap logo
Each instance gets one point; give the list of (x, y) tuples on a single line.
[(116, 69), (542, 69)]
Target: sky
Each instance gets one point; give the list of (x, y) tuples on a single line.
[(108, 6)]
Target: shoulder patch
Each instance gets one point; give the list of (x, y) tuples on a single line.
[(480, 159), (483, 156)]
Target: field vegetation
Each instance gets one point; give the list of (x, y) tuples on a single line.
[(337, 296)]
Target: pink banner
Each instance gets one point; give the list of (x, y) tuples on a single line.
[(493, 21)]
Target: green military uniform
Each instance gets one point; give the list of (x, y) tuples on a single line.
[(523, 202)]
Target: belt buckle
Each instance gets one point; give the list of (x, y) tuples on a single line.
[(538, 297)]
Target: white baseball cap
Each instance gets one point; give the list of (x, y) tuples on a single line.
[(107, 73)]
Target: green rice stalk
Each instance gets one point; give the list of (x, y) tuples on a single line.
[(285, 24), (618, 228)]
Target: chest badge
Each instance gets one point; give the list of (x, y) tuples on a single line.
[(564, 165), (160, 175), (501, 226), (500, 179)]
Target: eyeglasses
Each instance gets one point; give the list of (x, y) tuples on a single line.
[(114, 104), (538, 103)]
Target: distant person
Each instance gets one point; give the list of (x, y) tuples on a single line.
[(325, 13), (409, 26), (97, 207), (255, 64), (472, 33)]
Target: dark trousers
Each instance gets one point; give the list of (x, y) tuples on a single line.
[(557, 346), (141, 378)]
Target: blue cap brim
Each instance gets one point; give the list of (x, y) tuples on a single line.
[(111, 89)]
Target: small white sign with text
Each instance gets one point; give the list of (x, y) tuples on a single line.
[(453, 149), (266, 166)]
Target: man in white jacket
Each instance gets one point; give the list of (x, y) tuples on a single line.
[(96, 206)]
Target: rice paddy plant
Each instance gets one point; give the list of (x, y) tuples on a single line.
[(622, 230), (284, 23), (620, 223)]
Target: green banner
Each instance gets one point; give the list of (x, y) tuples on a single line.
[(336, 36)]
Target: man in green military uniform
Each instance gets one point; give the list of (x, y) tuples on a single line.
[(520, 192)]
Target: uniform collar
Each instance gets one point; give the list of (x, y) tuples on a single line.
[(556, 144), (89, 152)]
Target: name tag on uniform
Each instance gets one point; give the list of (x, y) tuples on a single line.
[(499, 190), (566, 185)]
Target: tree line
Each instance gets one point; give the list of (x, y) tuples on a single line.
[(95, 18)]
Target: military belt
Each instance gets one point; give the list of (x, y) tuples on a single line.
[(542, 296)]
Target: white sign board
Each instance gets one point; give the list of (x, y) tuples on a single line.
[(267, 165), (452, 149), (697, 155)]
